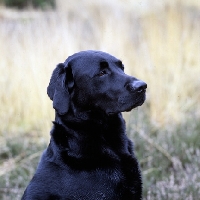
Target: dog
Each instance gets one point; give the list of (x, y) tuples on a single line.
[(89, 156)]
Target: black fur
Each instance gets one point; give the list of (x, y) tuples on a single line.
[(89, 156)]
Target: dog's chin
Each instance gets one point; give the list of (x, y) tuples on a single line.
[(126, 109), (132, 107), (135, 105)]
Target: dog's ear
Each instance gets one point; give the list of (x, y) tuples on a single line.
[(61, 83)]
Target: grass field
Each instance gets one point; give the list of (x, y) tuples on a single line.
[(159, 44)]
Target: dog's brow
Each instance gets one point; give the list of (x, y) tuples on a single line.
[(119, 64)]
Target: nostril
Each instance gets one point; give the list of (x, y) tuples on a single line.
[(140, 89), (137, 86)]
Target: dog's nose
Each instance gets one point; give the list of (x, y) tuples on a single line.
[(137, 86)]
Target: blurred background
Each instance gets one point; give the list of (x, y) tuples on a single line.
[(158, 42)]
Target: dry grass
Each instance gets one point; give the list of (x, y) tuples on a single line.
[(160, 47), (158, 44)]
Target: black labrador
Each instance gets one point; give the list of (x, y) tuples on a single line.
[(90, 156)]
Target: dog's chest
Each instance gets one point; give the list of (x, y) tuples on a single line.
[(91, 185)]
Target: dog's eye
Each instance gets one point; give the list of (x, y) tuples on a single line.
[(103, 72)]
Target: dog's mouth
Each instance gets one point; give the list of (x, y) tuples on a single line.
[(137, 102), (132, 107), (127, 107)]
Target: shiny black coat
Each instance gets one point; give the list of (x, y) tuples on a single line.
[(89, 156)]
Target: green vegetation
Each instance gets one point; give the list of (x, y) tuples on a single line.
[(19, 156), (169, 158), (21, 4), (159, 45)]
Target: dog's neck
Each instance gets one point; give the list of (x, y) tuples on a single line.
[(82, 139), (79, 116), (92, 124)]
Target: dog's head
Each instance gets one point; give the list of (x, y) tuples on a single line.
[(94, 80)]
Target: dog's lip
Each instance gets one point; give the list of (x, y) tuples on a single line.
[(128, 109), (139, 101), (134, 106)]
